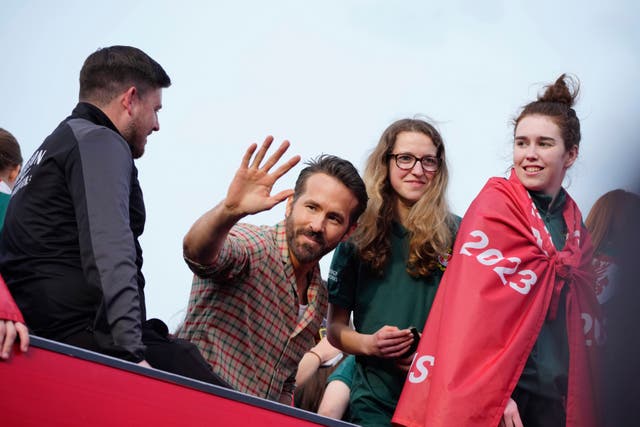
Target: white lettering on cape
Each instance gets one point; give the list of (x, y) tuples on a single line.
[(420, 365), (491, 256)]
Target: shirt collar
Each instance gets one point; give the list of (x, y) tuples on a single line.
[(90, 112), (547, 204), (398, 229), (4, 188)]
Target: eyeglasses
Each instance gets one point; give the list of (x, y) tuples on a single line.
[(406, 161)]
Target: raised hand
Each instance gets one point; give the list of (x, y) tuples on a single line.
[(249, 193), (250, 190)]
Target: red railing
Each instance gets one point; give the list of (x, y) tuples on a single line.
[(55, 384)]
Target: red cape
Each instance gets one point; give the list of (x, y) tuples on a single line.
[(8, 308), (502, 282)]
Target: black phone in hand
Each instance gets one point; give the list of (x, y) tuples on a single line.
[(414, 344)]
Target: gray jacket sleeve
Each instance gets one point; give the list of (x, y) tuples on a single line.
[(100, 185)]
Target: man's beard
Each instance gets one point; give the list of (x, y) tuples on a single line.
[(135, 139), (304, 252)]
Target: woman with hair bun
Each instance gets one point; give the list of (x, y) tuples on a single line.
[(388, 272), (512, 335)]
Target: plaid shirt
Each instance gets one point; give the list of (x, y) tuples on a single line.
[(243, 312)]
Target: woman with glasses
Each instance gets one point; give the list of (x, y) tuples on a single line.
[(512, 335), (387, 274)]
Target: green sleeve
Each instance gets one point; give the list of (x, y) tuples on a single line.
[(344, 372), (343, 276)]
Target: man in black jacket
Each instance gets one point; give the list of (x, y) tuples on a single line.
[(69, 251)]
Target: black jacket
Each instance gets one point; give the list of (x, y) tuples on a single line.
[(69, 251)]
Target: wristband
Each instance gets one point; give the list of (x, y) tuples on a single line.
[(316, 355)]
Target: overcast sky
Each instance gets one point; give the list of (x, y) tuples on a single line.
[(330, 76)]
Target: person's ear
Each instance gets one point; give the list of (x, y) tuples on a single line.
[(572, 156), (128, 98), (289, 207), (13, 175)]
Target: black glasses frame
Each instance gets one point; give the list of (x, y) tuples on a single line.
[(425, 167)]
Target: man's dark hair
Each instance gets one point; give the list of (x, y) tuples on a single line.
[(111, 70), (340, 169)]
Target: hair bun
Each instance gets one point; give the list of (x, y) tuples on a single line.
[(564, 91)]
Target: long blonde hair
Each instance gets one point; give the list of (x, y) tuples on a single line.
[(429, 221)]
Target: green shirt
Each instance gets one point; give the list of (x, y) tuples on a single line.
[(393, 298), (547, 367), (344, 371), (4, 202)]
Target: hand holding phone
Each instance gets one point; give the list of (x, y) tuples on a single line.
[(414, 345)]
